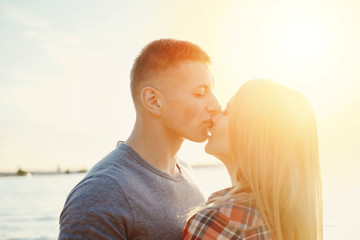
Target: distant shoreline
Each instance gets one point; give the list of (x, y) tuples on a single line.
[(22, 173)]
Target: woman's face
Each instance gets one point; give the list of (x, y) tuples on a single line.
[(218, 143)]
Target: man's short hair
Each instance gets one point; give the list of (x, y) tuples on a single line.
[(161, 55)]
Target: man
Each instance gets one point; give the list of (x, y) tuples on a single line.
[(141, 190)]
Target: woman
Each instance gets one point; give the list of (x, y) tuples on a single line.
[(267, 139)]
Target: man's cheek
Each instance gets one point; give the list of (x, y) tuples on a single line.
[(190, 114)]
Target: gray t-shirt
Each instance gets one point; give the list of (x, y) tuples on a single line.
[(124, 197)]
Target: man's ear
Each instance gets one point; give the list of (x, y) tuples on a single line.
[(150, 99)]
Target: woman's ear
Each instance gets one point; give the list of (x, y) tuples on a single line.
[(150, 99)]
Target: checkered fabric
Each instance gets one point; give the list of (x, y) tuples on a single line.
[(228, 220)]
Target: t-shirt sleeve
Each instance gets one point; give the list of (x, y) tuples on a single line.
[(96, 209)]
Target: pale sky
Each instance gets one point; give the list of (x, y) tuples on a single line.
[(64, 71)]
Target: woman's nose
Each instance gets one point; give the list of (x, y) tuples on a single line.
[(216, 117)]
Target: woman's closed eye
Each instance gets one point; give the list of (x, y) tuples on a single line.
[(225, 111)]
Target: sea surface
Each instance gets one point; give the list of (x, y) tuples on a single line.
[(30, 206)]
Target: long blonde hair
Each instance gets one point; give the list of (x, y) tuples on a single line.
[(274, 147)]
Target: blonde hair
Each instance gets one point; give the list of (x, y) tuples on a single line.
[(274, 148)]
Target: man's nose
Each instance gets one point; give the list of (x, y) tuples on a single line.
[(213, 105)]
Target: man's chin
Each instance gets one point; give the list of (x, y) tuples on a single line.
[(198, 139)]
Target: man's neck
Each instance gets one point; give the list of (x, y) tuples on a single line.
[(155, 147)]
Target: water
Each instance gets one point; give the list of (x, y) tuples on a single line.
[(30, 206)]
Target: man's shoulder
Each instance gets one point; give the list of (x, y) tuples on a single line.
[(92, 205), (107, 174), (113, 164)]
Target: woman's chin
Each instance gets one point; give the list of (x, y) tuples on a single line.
[(210, 150), (207, 148)]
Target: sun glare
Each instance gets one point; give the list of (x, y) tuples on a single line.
[(294, 47), (301, 38)]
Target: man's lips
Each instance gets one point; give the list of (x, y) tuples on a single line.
[(209, 123)]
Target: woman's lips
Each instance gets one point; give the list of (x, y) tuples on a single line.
[(209, 124)]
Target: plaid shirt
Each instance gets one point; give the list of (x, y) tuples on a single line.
[(229, 220)]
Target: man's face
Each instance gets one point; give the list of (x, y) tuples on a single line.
[(187, 101)]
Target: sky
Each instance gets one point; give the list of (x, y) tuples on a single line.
[(64, 71)]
